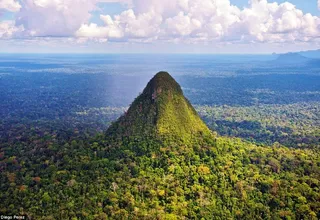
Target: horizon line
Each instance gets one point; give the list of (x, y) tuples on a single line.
[(92, 53)]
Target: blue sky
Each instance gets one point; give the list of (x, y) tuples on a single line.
[(159, 26), (308, 6)]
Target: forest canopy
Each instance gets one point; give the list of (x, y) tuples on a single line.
[(70, 174)]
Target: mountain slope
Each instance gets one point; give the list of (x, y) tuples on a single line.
[(160, 112), (292, 58), (315, 54)]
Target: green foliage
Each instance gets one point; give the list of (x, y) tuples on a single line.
[(142, 176), (160, 112), (292, 125), (219, 178)]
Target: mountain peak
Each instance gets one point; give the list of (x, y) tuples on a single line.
[(161, 112), (163, 76), (162, 81)]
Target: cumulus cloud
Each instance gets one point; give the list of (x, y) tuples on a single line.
[(272, 22), (207, 20), (58, 18), (94, 31), (169, 20), (54, 17), (10, 5), (127, 24), (8, 29)]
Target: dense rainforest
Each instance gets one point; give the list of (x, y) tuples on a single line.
[(160, 161)]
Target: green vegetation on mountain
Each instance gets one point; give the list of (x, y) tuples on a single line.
[(158, 161), (160, 112)]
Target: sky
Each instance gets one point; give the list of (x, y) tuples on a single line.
[(159, 26)]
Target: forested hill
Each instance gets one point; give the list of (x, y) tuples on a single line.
[(160, 112), (166, 165)]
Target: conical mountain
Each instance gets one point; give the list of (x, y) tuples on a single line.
[(160, 112)]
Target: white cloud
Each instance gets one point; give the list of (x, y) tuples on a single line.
[(272, 22), (144, 25), (182, 25), (54, 17), (207, 20), (94, 31), (186, 21), (8, 29), (58, 18), (319, 4), (127, 24), (10, 5)]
